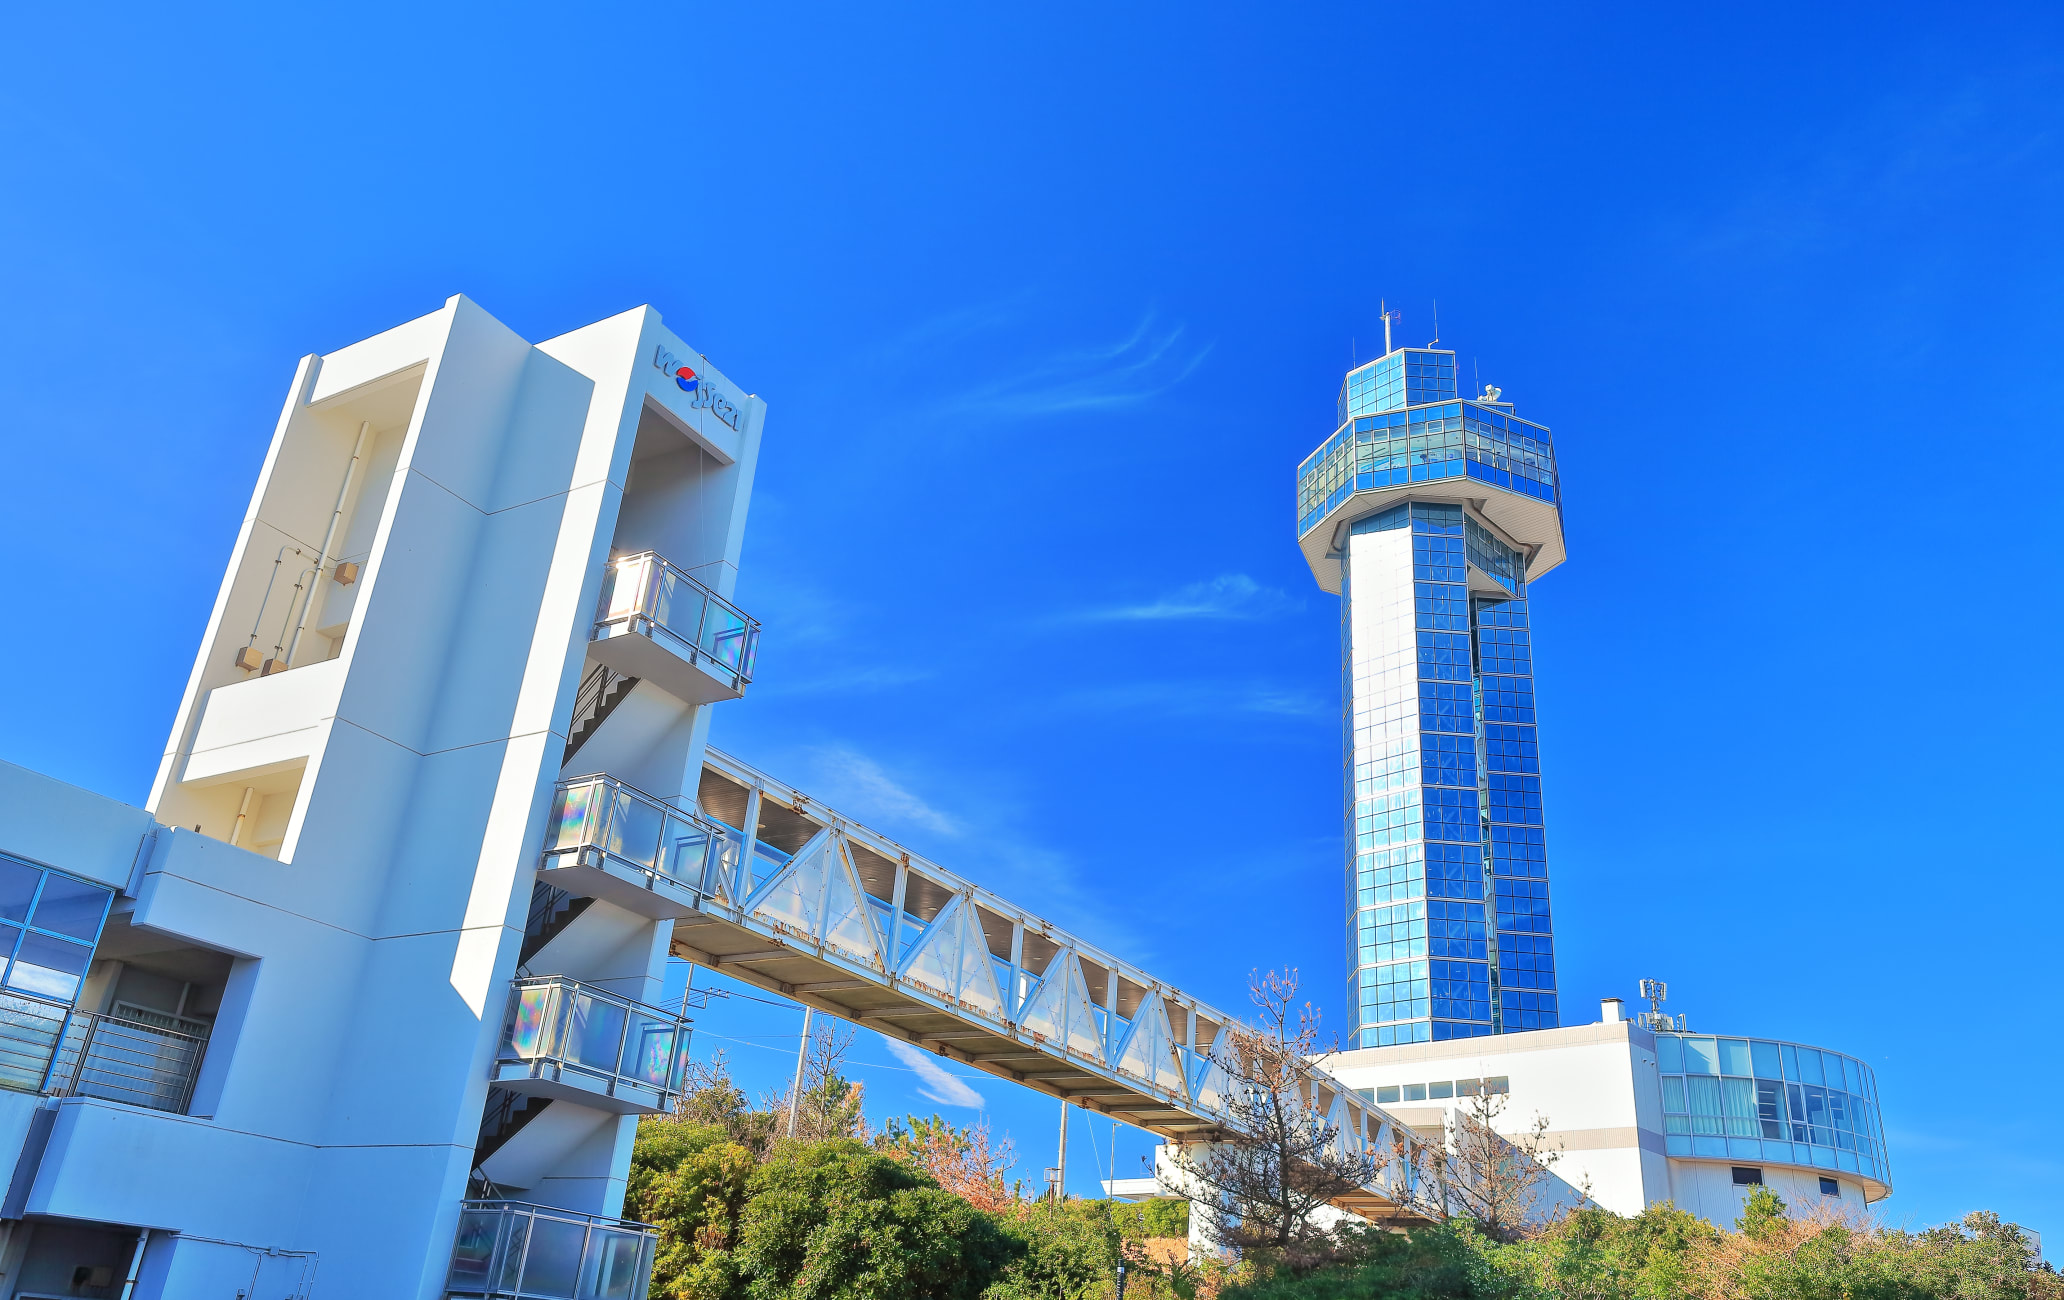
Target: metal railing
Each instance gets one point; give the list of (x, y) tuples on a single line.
[(638, 833), (50, 1048), (512, 1250), (560, 1027), (646, 594)]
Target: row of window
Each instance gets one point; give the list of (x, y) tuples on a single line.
[(1338, 478), (1439, 1090), (1751, 1176), (1762, 1059)]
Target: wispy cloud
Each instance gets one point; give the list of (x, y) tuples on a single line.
[(933, 1083), (1200, 698), (856, 681), (1143, 366), (1229, 596), (857, 783)]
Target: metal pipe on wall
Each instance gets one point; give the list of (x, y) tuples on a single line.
[(322, 561)]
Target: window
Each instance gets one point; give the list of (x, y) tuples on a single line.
[(1747, 1176), (1386, 1095), (1498, 1086), (1829, 1187), (1415, 1092), (49, 924), (1469, 1087), (1440, 1090)]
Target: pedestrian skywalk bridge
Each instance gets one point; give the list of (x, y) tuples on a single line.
[(820, 909)]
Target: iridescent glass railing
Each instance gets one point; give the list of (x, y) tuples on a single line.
[(569, 1039), (511, 1250), (606, 839), (643, 593)]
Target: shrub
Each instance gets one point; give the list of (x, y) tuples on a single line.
[(835, 1221)]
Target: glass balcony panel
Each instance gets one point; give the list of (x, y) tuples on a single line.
[(723, 636), (687, 844), (531, 1026), (574, 815), (624, 592), (666, 588), (595, 1032), (647, 595), (473, 1254), (649, 1050), (509, 1250), (618, 1264), (551, 1264), (634, 827)]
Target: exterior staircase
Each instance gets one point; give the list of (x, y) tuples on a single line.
[(506, 1114), (600, 692), (551, 910)]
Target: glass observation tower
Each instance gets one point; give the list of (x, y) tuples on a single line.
[(1430, 515)]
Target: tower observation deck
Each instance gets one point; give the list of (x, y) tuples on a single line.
[(1429, 515)]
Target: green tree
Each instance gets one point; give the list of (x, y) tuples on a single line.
[(1065, 1252), (692, 1182), (836, 1221)]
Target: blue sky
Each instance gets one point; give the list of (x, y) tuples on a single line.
[(1047, 304)]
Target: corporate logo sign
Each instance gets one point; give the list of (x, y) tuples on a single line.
[(702, 395)]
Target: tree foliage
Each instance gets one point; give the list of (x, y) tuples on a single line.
[(1280, 1158), (965, 1161), (1499, 1180), (1664, 1253)]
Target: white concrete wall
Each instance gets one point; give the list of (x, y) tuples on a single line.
[(1595, 1084), (401, 769), (1708, 1189)]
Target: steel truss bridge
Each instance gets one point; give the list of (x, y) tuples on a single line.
[(820, 909)]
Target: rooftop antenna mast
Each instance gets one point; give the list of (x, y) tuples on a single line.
[(1655, 1019), (1388, 317), (1436, 324)]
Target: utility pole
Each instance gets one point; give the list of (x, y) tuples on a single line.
[(1061, 1177), (795, 1094)]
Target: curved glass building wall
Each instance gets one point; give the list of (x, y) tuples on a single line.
[(1755, 1099)]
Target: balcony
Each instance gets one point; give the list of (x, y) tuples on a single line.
[(658, 624), (575, 1042), (50, 1048), (606, 840), (509, 1250)]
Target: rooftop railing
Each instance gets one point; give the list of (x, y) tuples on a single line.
[(573, 1040), (643, 593), (511, 1250), (53, 1049), (628, 847)]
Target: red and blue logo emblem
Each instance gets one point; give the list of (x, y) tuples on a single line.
[(686, 379)]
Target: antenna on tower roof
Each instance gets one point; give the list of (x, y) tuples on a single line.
[(1388, 317), (1436, 323)]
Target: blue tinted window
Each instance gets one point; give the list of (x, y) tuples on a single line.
[(1734, 1056), (1766, 1060), (71, 907), (18, 881), (1809, 1066), (1670, 1053), (1700, 1056), (48, 966)]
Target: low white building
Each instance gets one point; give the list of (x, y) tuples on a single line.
[(317, 1012), (1639, 1117)]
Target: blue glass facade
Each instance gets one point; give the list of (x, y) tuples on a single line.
[(1750, 1099), (1450, 934)]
